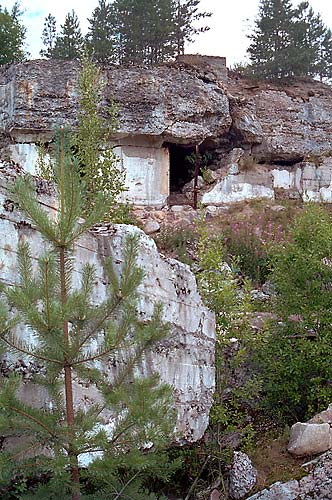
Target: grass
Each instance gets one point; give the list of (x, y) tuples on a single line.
[(274, 463)]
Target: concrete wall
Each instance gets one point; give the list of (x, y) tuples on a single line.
[(146, 164), (147, 173)]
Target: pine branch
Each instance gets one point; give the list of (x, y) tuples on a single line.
[(23, 350), (99, 324), (119, 495), (32, 419)]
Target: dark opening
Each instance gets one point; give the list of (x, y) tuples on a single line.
[(282, 162), (182, 166)]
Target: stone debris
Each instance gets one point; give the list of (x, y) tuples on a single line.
[(315, 486), (151, 227), (242, 476)]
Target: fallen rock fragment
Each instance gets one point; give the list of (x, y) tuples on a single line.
[(243, 476), (151, 227), (312, 437)]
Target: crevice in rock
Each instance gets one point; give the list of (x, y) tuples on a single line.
[(288, 162), (281, 162)]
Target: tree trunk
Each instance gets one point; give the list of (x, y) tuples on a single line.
[(70, 415)]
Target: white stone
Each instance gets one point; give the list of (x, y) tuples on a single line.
[(309, 439), (151, 227), (282, 179), (233, 169), (25, 155), (279, 491), (146, 170), (181, 208)]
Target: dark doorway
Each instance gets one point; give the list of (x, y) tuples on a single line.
[(182, 166)]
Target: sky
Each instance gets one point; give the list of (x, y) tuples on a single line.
[(230, 22)]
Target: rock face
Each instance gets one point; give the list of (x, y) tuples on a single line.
[(285, 133), (315, 486), (185, 359), (166, 101)]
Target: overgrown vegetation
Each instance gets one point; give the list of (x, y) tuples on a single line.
[(248, 242), (274, 375), (295, 350)]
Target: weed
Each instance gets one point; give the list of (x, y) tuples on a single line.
[(175, 241)]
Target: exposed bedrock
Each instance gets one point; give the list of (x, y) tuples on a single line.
[(167, 101), (285, 132)]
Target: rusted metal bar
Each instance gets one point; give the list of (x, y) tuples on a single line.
[(197, 163)]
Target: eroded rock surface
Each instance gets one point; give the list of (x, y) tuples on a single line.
[(167, 101), (243, 476), (285, 133)]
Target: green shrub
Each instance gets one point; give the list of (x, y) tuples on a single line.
[(221, 292), (295, 352), (175, 240)]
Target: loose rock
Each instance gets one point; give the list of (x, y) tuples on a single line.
[(243, 476), (151, 227)]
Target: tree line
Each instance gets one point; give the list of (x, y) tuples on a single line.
[(285, 41), (120, 32), (289, 42)]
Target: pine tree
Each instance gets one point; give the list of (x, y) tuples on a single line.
[(271, 50), (151, 32), (12, 36), (69, 44), (324, 62), (100, 37), (308, 35), (71, 335), (133, 25), (187, 14), (49, 37), (288, 41)]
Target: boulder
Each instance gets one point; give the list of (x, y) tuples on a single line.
[(151, 227), (324, 416), (312, 437), (309, 439)]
